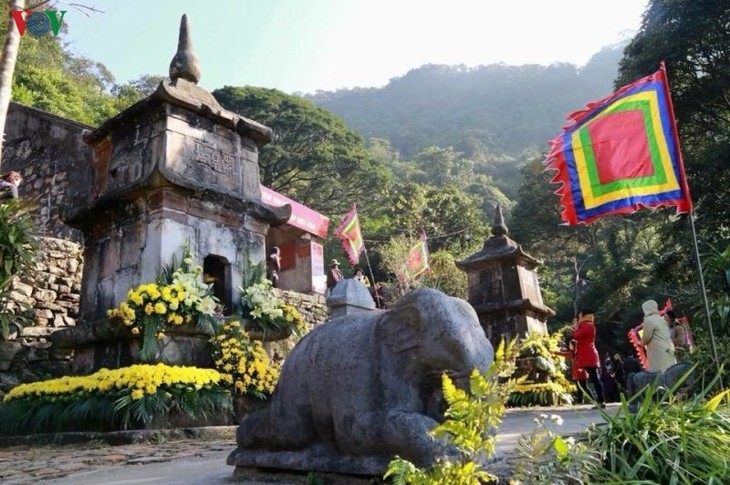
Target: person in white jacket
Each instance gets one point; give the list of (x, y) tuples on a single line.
[(657, 339)]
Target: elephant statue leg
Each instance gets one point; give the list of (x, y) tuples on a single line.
[(401, 433)]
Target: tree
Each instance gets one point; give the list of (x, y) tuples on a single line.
[(445, 276), (7, 67), (693, 38), (313, 157)]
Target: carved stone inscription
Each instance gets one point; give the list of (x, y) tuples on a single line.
[(214, 158)]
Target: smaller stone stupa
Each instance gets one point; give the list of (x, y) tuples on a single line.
[(503, 287)]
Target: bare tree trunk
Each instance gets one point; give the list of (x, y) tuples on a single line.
[(7, 68)]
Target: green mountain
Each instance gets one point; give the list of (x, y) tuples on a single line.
[(508, 109)]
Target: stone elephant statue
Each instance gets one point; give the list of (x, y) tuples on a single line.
[(362, 388)]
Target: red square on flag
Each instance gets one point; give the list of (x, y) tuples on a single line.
[(620, 146)]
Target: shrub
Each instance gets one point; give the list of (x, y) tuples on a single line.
[(17, 244), (124, 398), (668, 439), (546, 458)]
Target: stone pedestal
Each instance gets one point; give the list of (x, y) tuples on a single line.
[(108, 343)]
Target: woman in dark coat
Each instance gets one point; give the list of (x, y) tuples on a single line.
[(586, 354)]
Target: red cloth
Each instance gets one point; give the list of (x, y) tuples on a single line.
[(586, 353), (635, 340)]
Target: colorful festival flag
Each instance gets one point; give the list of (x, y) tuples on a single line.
[(620, 154), (417, 261), (349, 232)]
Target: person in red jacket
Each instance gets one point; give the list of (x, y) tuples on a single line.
[(586, 354)]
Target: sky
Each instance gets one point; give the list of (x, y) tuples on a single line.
[(301, 46)]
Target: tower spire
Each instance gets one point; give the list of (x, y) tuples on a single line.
[(185, 64), (499, 228)]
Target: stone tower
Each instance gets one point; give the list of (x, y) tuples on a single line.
[(173, 168), (503, 287)]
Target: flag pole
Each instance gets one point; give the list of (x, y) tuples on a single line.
[(665, 82), (370, 269), (704, 293)]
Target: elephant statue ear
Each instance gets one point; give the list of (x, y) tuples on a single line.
[(399, 327)]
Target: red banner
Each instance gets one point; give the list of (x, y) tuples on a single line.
[(417, 261), (302, 216), (349, 232)]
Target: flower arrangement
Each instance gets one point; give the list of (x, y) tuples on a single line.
[(179, 296), (264, 308), (243, 362), (546, 384), (113, 399)]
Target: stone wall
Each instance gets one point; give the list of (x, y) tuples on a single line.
[(54, 160), (50, 296), (312, 307)]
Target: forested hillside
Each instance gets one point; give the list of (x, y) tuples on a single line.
[(509, 109)]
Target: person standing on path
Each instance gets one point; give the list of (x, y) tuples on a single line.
[(679, 336), (578, 376), (273, 266), (657, 339), (334, 275), (586, 353)]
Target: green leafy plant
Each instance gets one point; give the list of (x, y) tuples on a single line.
[(545, 383), (668, 439), (469, 419), (180, 297), (129, 397), (243, 362), (17, 246), (546, 458)]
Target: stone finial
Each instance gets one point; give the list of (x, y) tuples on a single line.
[(185, 64), (499, 228)]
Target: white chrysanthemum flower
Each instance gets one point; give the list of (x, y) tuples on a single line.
[(556, 419)]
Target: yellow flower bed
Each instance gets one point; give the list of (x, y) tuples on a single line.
[(114, 399), (139, 379)]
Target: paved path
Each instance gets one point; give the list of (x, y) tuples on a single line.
[(196, 461)]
